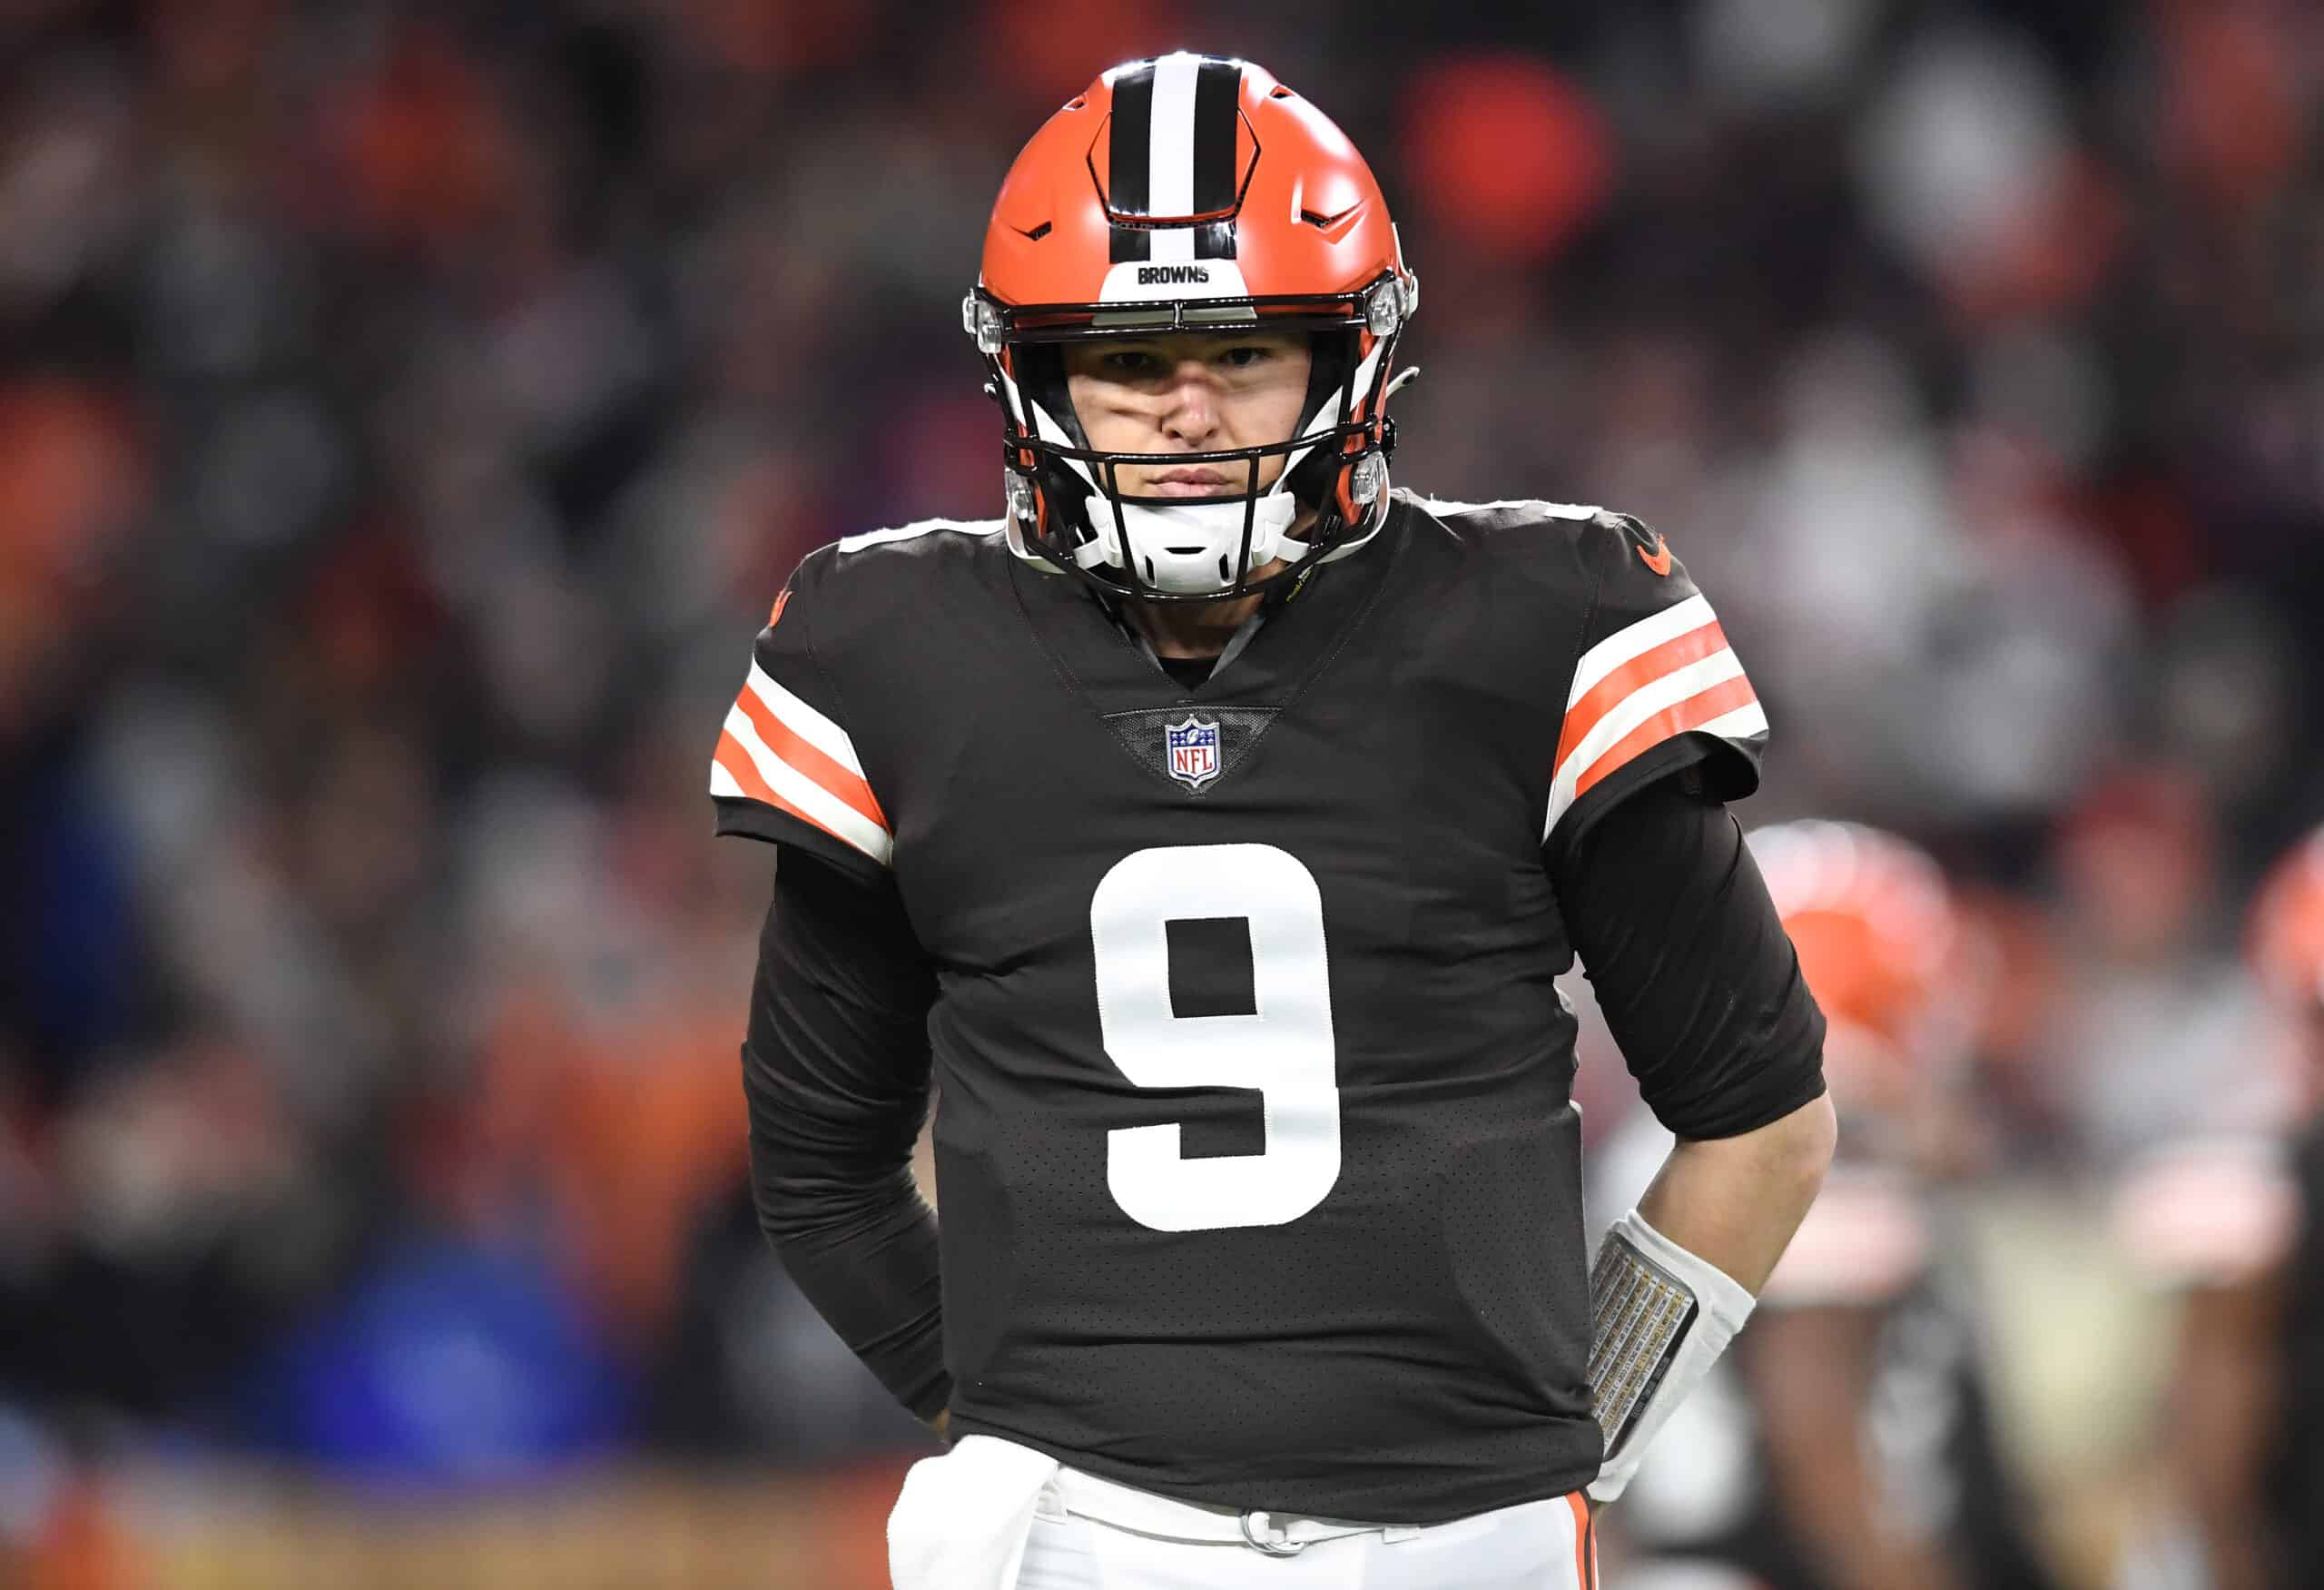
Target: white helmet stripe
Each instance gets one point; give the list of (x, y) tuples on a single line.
[(1170, 162)]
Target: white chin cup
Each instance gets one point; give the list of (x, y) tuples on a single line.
[(1186, 550)]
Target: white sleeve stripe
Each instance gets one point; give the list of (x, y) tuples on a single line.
[(1636, 640), (804, 721), (1642, 704), (722, 783), (1749, 722), (818, 804)]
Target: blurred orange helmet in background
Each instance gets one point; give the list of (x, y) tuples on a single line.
[(1190, 193), (2287, 928), (1880, 942)]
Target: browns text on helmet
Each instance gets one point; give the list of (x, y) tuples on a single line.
[(1191, 193)]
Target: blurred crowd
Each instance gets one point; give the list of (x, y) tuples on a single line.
[(409, 409)]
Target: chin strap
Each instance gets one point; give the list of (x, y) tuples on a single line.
[(1661, 1317)]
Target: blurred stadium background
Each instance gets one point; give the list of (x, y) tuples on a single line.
[(408, 411)]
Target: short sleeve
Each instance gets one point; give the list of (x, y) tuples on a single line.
[(1655, 689), (786, 769)]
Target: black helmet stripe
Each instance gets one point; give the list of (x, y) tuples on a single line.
[(1218, 88), (1170, 153), (1129, 148)]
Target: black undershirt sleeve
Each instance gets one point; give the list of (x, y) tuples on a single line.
[(835, 1070), (1690, 964)]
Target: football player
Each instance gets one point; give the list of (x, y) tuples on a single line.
[(2289, 940), (1213, 825), (1848, 1444), (2237, 1224)]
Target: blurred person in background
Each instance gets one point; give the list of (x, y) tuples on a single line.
[(2160, 1068), (1216, 769), (1849, 1442), (2236, 1224), (2156, 1035)]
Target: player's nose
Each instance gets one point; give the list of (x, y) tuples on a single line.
[(1192, 417)]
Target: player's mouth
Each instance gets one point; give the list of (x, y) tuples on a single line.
[(1190, 483)]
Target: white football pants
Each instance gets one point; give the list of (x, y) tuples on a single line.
[(992, 1516)]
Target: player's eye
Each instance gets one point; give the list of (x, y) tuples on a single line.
[(1244, 355), (1129, 361)]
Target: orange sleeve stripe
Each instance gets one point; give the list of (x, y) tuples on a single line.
[(1690, 714), (1642, 670), (810, 762), (739, 767), (1584, 1548), (736, 761)]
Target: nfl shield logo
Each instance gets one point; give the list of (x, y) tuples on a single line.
[(1194, 751)]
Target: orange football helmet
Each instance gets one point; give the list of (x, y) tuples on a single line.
[(1190, 192), (2287, 932), (1879, 941)]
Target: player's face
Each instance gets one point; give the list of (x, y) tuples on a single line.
[(1190, 392)]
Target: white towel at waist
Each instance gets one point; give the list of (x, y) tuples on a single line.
[(963, 1519)]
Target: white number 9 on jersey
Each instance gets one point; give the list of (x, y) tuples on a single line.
[(1284, 1047)]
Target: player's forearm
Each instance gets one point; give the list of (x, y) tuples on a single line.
[(1674, 1279), (1735, 1201), (865, 1253), (835, 1073)]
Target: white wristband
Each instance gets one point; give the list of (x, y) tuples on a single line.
[(1661, 1317)]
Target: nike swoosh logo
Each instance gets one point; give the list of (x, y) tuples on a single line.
[(1658, 559)]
